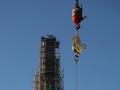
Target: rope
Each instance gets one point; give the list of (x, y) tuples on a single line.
[(76, 60), (76, 56), (76, 75)]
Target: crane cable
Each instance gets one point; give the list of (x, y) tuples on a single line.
[(76, 75), (77, 46), (76, 61), (76, 58)]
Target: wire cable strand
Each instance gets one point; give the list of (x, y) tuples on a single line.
[(76, 76)]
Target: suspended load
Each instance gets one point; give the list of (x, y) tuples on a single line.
[(77, 15), (77, 45)]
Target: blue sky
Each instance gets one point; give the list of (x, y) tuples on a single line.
[(23, 22)]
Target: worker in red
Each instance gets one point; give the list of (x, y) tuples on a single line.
[(77, 15)]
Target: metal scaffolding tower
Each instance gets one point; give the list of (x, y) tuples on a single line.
[(49, 75)]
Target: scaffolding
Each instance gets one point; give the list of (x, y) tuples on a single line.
[(49, 75)]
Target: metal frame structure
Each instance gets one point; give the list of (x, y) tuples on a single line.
[(49, 75)]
